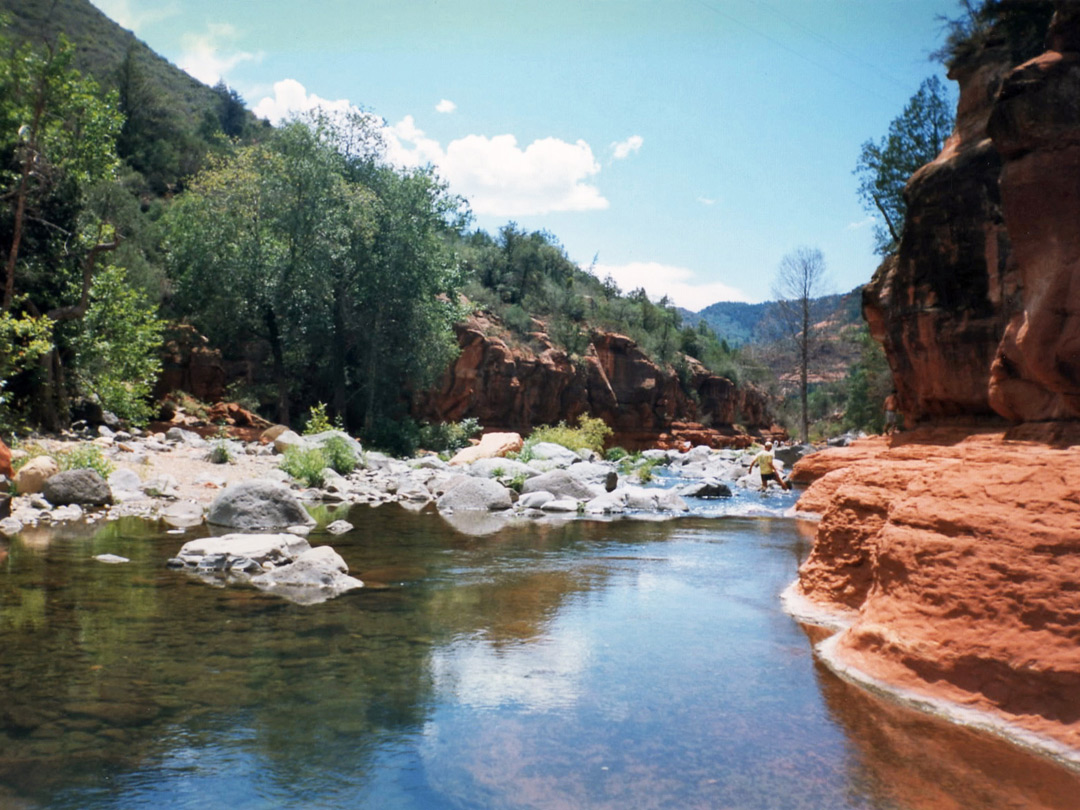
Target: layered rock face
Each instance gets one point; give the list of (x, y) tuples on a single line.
[(952, 551), (956, 555), (1035, 126), (516, 389)]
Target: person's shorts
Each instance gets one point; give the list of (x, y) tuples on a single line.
[(766, 477), (890, 417)]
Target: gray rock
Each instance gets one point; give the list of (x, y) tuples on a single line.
[(112, 559), (668, 501), (290, 439), (562, 484), (549, 451), (789, 455), (608, 503), (83, 487), (182, 514), (10, 526), (186, 437), (475, 495), (125, 479), (71, 511), (264, 549), (561, 505), (339, 527), (317, 575), (535, 500), (501, 467), (257, 504), (706, 488)]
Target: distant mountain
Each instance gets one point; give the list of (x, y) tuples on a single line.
[(741, 324)]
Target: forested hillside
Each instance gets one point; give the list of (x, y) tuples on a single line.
[(135, 199)]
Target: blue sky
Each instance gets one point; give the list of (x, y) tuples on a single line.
[(686, 145)]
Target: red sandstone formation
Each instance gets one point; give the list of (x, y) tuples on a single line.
[(5, 460), (189, 364), (960, 554), (956, 551), (516, 388)]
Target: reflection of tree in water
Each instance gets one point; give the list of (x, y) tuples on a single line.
[(910, 759), (106, 667)]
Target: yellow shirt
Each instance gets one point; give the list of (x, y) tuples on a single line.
[(764, 460)]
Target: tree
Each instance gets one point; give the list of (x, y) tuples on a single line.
[(914, 139), (800, 280)]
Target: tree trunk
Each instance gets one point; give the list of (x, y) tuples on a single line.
[(279, 366), (337, 352)]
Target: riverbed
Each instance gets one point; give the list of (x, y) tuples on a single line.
[(565, 664)]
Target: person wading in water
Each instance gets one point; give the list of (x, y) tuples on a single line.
[(766, 463)]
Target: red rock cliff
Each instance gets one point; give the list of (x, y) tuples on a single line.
[(517, 388), (953, 552)]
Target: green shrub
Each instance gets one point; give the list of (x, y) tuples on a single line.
[(615, 454), (448, 437), (318, 421), (339, 455), (219, 453), (645, 471), (590, 434), (306, 465), (85, 457)]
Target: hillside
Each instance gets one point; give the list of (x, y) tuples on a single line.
[(741, 324)]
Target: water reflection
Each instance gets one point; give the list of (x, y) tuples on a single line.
[(580, 664)]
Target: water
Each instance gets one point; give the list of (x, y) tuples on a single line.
[(575, 665)]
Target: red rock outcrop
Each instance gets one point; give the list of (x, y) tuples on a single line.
[(5, 460), (955, 551), (190, 364), (517, 388), (960, 554)]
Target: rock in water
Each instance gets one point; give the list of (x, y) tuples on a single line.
[(257, 505)]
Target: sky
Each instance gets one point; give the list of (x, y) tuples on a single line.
[(683, 146)]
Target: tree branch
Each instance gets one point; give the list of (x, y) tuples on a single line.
[(76, 311)]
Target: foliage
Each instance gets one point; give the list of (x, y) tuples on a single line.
[(85, 456), (117, 348), (339, 455), (868, 383), (914, 139), (448, 437), (318, 422), (24, 340), (305, 464), (590, 434), (644, 471), (219, 452), (1018, 26), (615, 454)]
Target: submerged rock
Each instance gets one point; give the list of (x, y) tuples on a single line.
[(475, 495)]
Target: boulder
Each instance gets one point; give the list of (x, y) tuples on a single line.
[(185, 437), (314, 576), (475, 494), (705, 488), (269, 435), (492, 445), (125, 479), (83, 487), (501, 468), (535, 500), (32, 476), (264, 549), (258, 504), (563, 485), (288, 439)]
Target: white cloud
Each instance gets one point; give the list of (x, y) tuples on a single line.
[(496, 175), (291, 97), (623, 149), (862, 223), (706, 200), (445, 106), (203, 57), (679, 284), (121, 12)]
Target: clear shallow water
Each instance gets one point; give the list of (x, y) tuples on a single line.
[(581, 665)]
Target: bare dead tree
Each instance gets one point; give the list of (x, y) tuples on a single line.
[(800, 280)]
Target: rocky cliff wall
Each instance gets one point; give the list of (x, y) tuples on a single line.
[(516, 388), (950, 553)]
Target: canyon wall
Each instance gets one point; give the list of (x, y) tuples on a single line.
[(518, 387), (951, 552)]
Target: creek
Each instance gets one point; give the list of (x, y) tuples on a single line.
[(578, 664)]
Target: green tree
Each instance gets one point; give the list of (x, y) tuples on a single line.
[(914, 139), (117, 347)]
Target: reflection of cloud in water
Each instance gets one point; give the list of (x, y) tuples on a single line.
[(536, 677)]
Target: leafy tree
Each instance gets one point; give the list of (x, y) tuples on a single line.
[(868, 382), (914, 139), (117, 359), (1019, 26), (800, 281)]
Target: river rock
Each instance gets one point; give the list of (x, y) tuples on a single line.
[(10, 526), (501, 468), (339, 527), (32, 476), (562, 484), (258, 504), (124, 479), (315, 576), (264, 549), (535, 500), (186, 437), (290, 439), (706, 488), (474, 495), (84, 487)]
